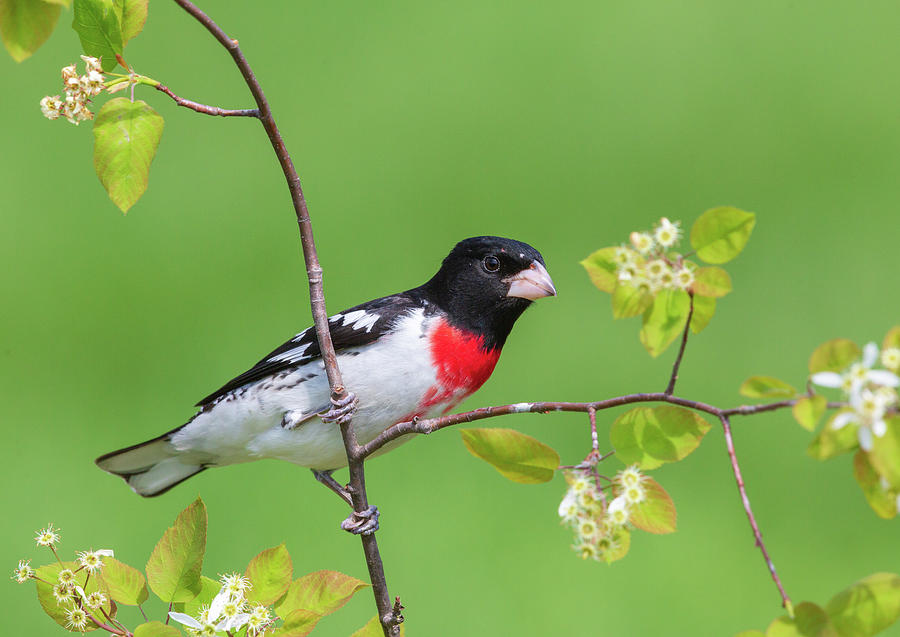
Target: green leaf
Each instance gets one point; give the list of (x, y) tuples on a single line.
[(373, 629), (126, 135), (665, 320), (656, 514), (621, 542), (173, 570), (49, 573), (156, 629), (751, 633), (711, 281), (98, 28), (516, 456), (628, 301), (834, 356), (26, 24), (132, 17), (809, 621), (766, 387), (601, 267), (808, 411), (892, 339), (125, 583), (321, 592), (832, 442), (270, 573), (209, 588), (298, 623), (885, 454), (704, 308), (867, 607), (720, 234), (882, 501), (651, 436)]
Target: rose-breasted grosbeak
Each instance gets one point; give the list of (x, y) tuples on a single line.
[(417, 353)]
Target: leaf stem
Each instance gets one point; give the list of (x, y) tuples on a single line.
[(208, 110), (684, 338)]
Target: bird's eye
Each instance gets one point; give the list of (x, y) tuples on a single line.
[(491, 263)]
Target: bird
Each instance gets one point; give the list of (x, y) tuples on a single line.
[(416, 354)]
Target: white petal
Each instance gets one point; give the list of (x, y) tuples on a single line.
[(883, 377), (187, 620), (827, 379), (843, 419), (879, 428), (865, 438), (106, 552), (566, 503), (617, 504), (218, 603), (238, 621), (870, 355)]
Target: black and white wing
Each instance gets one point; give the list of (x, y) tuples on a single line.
[(355, 327)]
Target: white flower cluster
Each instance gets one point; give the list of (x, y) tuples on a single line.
[(79, 90), (228, 611), (869, 392), (599, 526), (646, 265)]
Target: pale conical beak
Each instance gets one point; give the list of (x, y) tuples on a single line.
[(531, 283)]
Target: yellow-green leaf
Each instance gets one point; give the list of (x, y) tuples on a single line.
[(651, 436), (601, 267), (616, 547), (664, 320), (883, 501), (124, 583), (711, 281), (156, 629), (126, 135), (720, 234), (704, 308), (173, 570), (832, 442), (132, 17), (298, 623), (628, 301), (97, 24), (834, 356), (373, 629), (751, 633), (867, 607), (270, 573), (516, 456), (809, 621), (892, 338), (26, 24), (808, 411), (656, 513), (209, 588), (766, 387), (57, 612), (885, 453), (321, 592)]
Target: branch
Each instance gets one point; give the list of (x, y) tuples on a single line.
[(390, 621), (684, 338), (208, 110), (729, 443)]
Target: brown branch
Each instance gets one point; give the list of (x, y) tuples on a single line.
[(684, 337), (729, 443), (208, 110), (390, 622)]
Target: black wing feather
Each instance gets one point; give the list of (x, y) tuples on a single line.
[(357, 326)]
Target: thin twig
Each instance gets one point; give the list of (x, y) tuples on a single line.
[(729, 443), (684, 337), (595, 440), (208, 110), (390, 623)]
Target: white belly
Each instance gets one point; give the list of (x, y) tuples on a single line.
[(245, 425)]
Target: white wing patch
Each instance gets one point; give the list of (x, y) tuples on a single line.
[(360, 319), (290, 356)]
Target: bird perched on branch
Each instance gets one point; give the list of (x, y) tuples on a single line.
[(414, 354)]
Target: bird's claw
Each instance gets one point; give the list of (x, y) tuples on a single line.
[(342, 409), (364, 523)]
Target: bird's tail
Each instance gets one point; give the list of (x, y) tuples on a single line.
[(150, 468)]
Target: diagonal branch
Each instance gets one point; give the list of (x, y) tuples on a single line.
[(684, 338), (208, 110)]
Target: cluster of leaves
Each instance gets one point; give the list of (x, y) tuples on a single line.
[(652, 280), (126, 131), (284, 607), (866, 424), (601, 511), (866, 608)]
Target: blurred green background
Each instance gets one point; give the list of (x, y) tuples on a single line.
[(413, 125)]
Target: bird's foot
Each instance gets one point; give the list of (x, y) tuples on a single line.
[(365, 523), (325, 478), (342, 409)]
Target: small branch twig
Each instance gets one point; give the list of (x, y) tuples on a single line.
[(208, 110), (684, 338), (729, 443)]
